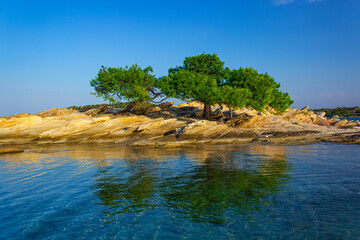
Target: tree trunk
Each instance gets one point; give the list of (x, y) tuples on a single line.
[(231, 112), (129, 107), (207, 111), (220, 110)]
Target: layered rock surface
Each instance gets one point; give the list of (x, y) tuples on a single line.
[(172, 126)]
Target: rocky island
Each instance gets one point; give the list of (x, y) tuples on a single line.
[(262, 111), (166, 126)]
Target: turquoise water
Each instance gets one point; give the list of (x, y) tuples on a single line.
[(253, 191), (352, 118)]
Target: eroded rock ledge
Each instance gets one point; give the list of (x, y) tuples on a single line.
[(175, 126)]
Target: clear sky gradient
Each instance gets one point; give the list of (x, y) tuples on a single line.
[(50, 50)]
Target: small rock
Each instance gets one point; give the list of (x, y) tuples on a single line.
[(168, 114), (334, 118), (321, 114), (114, 110), (189, 126), (196, 104), (199, 113), (187, 108), (216, 115), (305, 108), (166, 105), (152, 109), (342, 124), (322, 122), (181, 105), (101, 109), (313, 117)]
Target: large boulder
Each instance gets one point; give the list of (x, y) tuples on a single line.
[(54, 112), (248, 121)]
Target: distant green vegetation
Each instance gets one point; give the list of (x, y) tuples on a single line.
[(340, 111), (202, 78), (88, 107)]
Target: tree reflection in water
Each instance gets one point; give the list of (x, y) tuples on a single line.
[(212, 188), (126, 188)]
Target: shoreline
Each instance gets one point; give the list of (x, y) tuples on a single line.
[(174, 127)]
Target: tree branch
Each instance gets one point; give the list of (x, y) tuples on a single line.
[(160, 101)]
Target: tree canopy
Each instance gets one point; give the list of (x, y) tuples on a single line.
[(198, 79), (132, 84), (264, 90), (203, 78)]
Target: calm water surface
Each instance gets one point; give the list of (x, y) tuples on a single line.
[(216, 192), (352, 118)]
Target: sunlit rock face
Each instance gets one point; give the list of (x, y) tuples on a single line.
[(173, 126)]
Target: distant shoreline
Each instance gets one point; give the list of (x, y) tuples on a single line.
[(340, 112)]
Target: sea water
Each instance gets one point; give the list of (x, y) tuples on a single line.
[(250, 191), (352, 118)]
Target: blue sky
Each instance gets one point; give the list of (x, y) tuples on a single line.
[(50, 50)]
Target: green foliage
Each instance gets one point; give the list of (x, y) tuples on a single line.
[(233, 96), (205, 64), (93, 106), (264, 90), (198, 79), (281, 101), (189, 85), (202, 78), (132, 84)]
